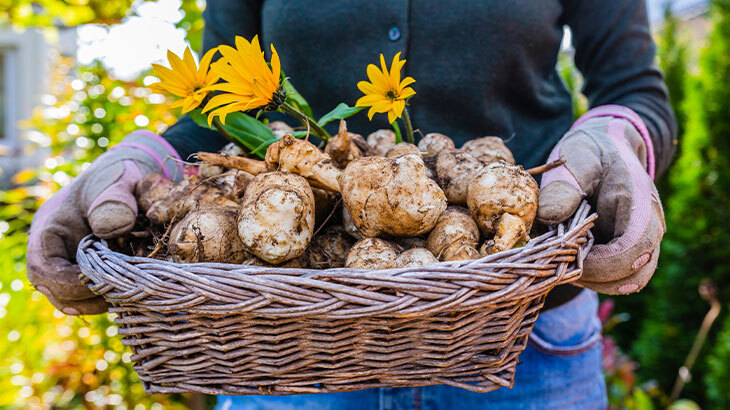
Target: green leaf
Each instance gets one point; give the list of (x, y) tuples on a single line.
[(246, 130), (246, 123), (261, 149), (643, 401), (200, 118), (295, 98), (340, 112)]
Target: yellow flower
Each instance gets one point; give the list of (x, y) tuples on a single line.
[(185, 79), (385, 92), (249, 82)]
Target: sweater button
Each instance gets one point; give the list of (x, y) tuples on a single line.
[(394, 34)]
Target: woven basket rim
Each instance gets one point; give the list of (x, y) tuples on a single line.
[(576, 224), (295, 284)]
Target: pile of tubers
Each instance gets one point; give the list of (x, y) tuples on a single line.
[(364, 203)]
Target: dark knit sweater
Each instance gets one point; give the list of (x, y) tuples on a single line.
[(482, 67)]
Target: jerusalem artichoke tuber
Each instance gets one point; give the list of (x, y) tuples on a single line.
[(276, 221), (488, 150), (372, 253), (502, 189), (391, 196), (433, 143), (415, 257), (381, 141), (207, 235), (455, 236)]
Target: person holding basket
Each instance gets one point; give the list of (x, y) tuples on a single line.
[(484, 68)]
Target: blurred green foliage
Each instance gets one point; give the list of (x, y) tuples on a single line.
[(57, 13), (47, 357), (62, 13), (668, 314), (664, 318)]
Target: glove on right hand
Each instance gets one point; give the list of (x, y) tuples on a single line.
[(100, 200), (607, 154)]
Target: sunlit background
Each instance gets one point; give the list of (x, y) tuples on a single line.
[(73, 81)]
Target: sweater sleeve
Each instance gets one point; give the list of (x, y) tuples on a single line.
[(615, 53), (224, 20)]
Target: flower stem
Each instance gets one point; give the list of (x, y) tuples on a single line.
[(409, 127), (398, 135), (305, 120), (223, 131)]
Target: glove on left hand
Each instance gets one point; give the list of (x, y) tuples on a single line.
[(100, 200), (606, 154)]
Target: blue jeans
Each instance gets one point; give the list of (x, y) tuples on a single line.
[(560, 369)]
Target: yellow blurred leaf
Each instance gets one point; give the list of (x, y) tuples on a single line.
[(23, 176)]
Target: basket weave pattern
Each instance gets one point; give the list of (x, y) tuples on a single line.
[(234, 329)]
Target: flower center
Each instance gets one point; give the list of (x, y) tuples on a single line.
[(391, 94)]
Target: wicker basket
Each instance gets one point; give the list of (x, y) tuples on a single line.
[(234, 329)]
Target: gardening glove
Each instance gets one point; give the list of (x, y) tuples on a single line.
[(610, 159), (100, 200)]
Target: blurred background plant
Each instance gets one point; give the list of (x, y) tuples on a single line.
[(48, 359)]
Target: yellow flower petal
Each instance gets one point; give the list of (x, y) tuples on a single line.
[(383, 67), (383, 106), (406, 93), (395, 68), (259, 89), (203, 70), (220, 99), (275, 65), (255, 102), (367, 88), (189, 104), (174, 90), (179, 66), (392, 117), (376, 77), (406, 82), (368, 100), (188, 60), (398, 107), (169, 76), (371, 113)]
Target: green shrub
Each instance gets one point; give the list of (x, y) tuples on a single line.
[(46, 357), (697, 244)]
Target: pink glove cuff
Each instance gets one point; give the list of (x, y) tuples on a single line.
[(628, 114), (156, 147)]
